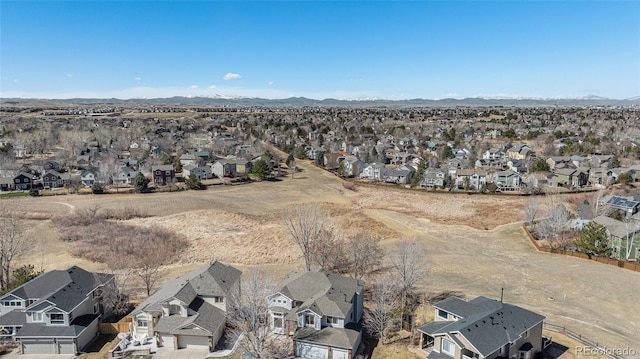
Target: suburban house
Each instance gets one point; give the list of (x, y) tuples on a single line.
[(627, 205), (201, 173), (6, 184), (519, 151), (88, 177), (190, 160), (471, 179), (622, 236), (493, 154), (374, 171), (433, 178), (321, 311), (163, 175), (55, 179), (56, 312), (23, 182), (507, 180), (226, 167), (482, 328), (574, 177), (400, 175), (124, 176), (189, 311), (351, 166)]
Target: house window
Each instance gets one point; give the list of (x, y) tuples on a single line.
[(218, 299), (447, 347), (277, 320), (525, 334), (442, 314), (142, 323), (174, 309), (37, 317), (332, 320), (310, 320), (96, 308), (56, 318)]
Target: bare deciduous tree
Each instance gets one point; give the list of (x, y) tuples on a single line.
[(328, 251), (305, 223), (410, 261), (384, 298), (247, 316), (530, 210), (553, 227), (13, 242), (365, 255)]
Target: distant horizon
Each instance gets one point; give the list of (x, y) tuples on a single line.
[(361, 99), (392, 50)]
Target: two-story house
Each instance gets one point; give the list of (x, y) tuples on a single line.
[(227, 167), (321, 311), (23, 182), (163, 175), (189, 311), (55, 179), (433, 178), (56, 312), (482, 328), (351, 166)]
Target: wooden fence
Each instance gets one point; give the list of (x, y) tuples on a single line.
[(610, 261), (114, 328), (600, 347)]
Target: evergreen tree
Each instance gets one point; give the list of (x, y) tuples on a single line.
[(260, 169), (593, 239), (140, 183), (192, 182)]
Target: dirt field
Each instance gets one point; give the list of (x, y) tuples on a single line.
[(474, 244)]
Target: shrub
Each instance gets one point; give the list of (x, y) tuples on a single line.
[(349, 185), (124, 213), (97, 188)]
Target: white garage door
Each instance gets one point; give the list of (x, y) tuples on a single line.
[(193, 342), (166, 340), (339, 354), (38, 346), (310, 351), (65, 347)]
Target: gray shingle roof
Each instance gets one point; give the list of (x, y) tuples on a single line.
[(208, 317), (336, 337), (323, 292), (65, 288), (78, 325), (215, 279), (486, 323)]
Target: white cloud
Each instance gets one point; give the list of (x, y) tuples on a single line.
[(231, 76), (194, 86), (270, 83), (138, 78), (69, 75), (212, 87)]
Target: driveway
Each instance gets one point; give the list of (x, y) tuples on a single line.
[(15, 354), (167, 353)]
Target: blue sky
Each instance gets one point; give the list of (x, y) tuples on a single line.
[(343, 49)]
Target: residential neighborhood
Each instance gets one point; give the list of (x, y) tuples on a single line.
[(370, 233)]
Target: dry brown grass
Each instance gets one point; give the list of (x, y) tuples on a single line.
[(241, 225)]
